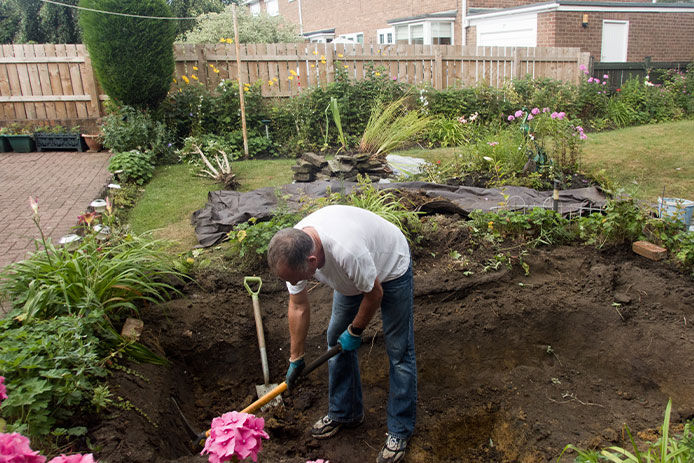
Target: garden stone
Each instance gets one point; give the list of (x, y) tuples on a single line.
[(313, 158)]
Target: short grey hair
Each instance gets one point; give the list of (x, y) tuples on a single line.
[(290, 246)]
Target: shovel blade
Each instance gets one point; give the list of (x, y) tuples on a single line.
[(262, 390)]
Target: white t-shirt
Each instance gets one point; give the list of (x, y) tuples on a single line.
[(359, 247)]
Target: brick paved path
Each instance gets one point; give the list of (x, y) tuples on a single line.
[(63, 182)]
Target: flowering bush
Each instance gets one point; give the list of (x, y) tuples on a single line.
[(592, 97), (235, 434)]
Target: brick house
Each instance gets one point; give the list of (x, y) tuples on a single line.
[(611, 31)]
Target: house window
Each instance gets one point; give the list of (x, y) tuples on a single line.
[(402, 34), (255, 8), (272, 7), (417, 34), (390, 37), (441, 33)]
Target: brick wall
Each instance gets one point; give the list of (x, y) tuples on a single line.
[(662, 36), (354, 16)]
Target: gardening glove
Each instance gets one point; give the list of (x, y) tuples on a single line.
[(349, 340), (295, 369)]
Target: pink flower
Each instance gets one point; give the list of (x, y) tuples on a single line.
[(320, 460), (597, 81), (545, 110), (535, 111), (605, 76), (14, 448), (462, 120), (590, 80), (530, 117), (3, 389), (89, 458), (510, 117), (519, 113), (582, 67), (235, 434), (604, 82), (34, 204), (561, 115), (553, 115), (583, 136), (492, 143)]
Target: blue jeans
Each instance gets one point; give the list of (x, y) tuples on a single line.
[(398, 329)]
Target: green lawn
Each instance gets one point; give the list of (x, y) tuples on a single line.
[(645, 160), (642, 160)]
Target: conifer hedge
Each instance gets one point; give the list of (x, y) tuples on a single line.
[(132, 57)]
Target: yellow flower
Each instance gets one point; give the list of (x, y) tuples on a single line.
[(315, 52), (322, 56), (195, 68), (323, 61), (211, 65), (313, 65), (340, 55), (230, 41), (185, 79), (216, 70), (174, 80), (346, 66), (378, 73), (290, 77), (222, 40), (194, 77), (190, 260), (292, 72), (275, 79), (241, 235)]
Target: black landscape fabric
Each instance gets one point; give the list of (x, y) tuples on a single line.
[(225, 209)]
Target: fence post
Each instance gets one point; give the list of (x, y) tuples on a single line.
[(438, 69), (202, 63), (516, 63), (329, 61), (92, 85)]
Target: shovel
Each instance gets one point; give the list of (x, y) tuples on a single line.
[(199, 438), (266, 387)]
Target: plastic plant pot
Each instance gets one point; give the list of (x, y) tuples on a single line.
[(21, 143)]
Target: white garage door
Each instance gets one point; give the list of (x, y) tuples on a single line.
[(513, 31)]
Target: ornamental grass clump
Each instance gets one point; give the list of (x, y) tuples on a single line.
[(235, 435)]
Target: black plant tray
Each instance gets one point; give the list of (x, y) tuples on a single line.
[(59, 141)]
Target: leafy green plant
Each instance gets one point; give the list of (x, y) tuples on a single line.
[(540, 226), (52, 368), (391, 127), (141, 76), (666, 449), (445, 132), (126, 128), (253, 237), (622, 221), (132, 167)]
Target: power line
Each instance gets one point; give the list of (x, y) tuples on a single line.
[(115, 13)]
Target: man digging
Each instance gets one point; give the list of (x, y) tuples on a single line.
[(366, 261)]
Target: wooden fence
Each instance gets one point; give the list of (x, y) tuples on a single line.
[(56, 82)]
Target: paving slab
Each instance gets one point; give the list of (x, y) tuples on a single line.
[(64, 182)]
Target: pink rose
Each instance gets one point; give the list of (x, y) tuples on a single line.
[(14, 448), (89, 458)]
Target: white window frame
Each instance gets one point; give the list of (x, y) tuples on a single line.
[(384, 33), (255, 8), (353, 37), (427, 29), (275, 11)]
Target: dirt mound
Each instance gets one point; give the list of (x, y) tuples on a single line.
[(512, 367)]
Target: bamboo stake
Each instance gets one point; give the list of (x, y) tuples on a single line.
[(238, 78)]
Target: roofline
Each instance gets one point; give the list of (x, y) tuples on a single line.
[(320, 32), (441, 14), (573, 5)]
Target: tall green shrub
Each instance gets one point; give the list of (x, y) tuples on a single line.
[(132, 57)]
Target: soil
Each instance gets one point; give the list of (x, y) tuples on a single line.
[(512, 367)]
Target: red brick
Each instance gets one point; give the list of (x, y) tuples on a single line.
[(649, 250)]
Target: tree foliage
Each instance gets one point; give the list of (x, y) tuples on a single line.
[(132, 57), (252, 29), (23, 21)]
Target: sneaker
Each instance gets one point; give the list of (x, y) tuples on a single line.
[(327, 427), (393, 450)]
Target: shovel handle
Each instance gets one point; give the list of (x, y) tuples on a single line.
[(247, 280), (333, 351)]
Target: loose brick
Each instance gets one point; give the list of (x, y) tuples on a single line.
[(649, 250), (132, 329)]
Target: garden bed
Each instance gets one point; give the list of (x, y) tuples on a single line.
[(511, 367)]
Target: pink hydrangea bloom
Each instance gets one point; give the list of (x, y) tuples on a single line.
[(3, 389), (89, 458), (519, 113), (235, 434), (14, 448), (535, 111)]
